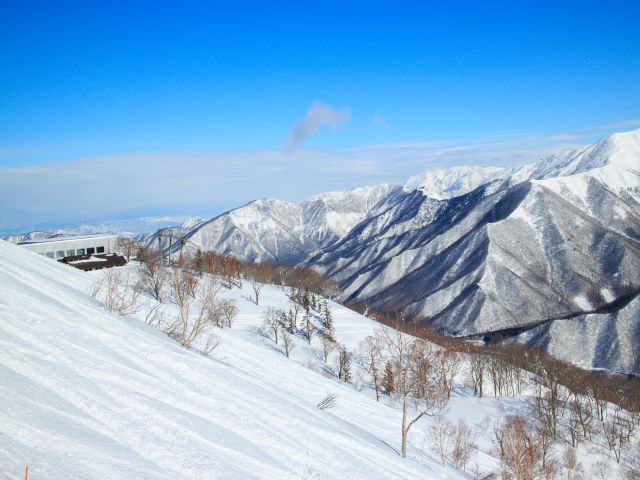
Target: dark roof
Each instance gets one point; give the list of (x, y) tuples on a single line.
[(95, 261)]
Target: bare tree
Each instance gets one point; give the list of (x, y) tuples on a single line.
[(256, 287), (154, 316), (601, 470), (448, 364), (295, 309), (271, 317), (477, 368), (328, 345), (618, 429), (153, 274), (441, 434), (544, 438), (464, 445), (183, 284), (117, 292), (228, 312), (287, 342), (517, 450), (570, 464), (583, 414), (213, 342), (415, 382), (126, 247), (370, 359), (188, 325), (343, 362), (550, 398)]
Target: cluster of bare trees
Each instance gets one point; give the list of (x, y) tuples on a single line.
[(520, 452), (233, 271), (117, 292), (306, 312), (153, 274), (198, 308), (196, 297), (453, 442)]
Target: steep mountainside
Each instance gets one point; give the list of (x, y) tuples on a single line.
[(283, 231), (559, 239)]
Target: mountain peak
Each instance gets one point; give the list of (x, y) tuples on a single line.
[(620, 150), (445, 183)]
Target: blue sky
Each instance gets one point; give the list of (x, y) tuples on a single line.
[(95, 80)]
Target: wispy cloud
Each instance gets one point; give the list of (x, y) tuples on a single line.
[(611, 126), (317, 115), (567, 136), (118, 186), (380, 121)]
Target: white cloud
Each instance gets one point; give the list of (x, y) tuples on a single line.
[(120, 186), (318, 114)]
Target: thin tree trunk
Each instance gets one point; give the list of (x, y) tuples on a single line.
[(404, 427)]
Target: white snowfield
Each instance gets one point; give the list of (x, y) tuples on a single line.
[(85, 394)]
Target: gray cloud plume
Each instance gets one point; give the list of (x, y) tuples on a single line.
[(318, 114)]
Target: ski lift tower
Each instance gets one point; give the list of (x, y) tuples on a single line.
[(172, 236)]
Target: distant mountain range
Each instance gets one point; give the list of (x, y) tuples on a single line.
[(136, 228), (548, 253)]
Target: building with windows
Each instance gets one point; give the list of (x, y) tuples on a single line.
[(72, 246)]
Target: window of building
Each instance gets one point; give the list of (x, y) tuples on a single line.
[(100, 249), (60, 254), (91, 251), (49, 254), (71, 253), (80, 251)]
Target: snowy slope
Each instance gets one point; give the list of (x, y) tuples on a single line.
[(273, 229), (89, 395)]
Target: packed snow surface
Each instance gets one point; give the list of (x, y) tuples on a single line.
[(89, 395)]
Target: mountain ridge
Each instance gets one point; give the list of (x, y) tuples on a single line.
[(475, 249)]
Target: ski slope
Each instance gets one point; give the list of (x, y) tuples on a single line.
[(85, 394), (88, 394)]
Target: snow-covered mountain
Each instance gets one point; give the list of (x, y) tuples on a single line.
[(558, 240), (474, 251), (275, 230), (281, 231), (455, 181)]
